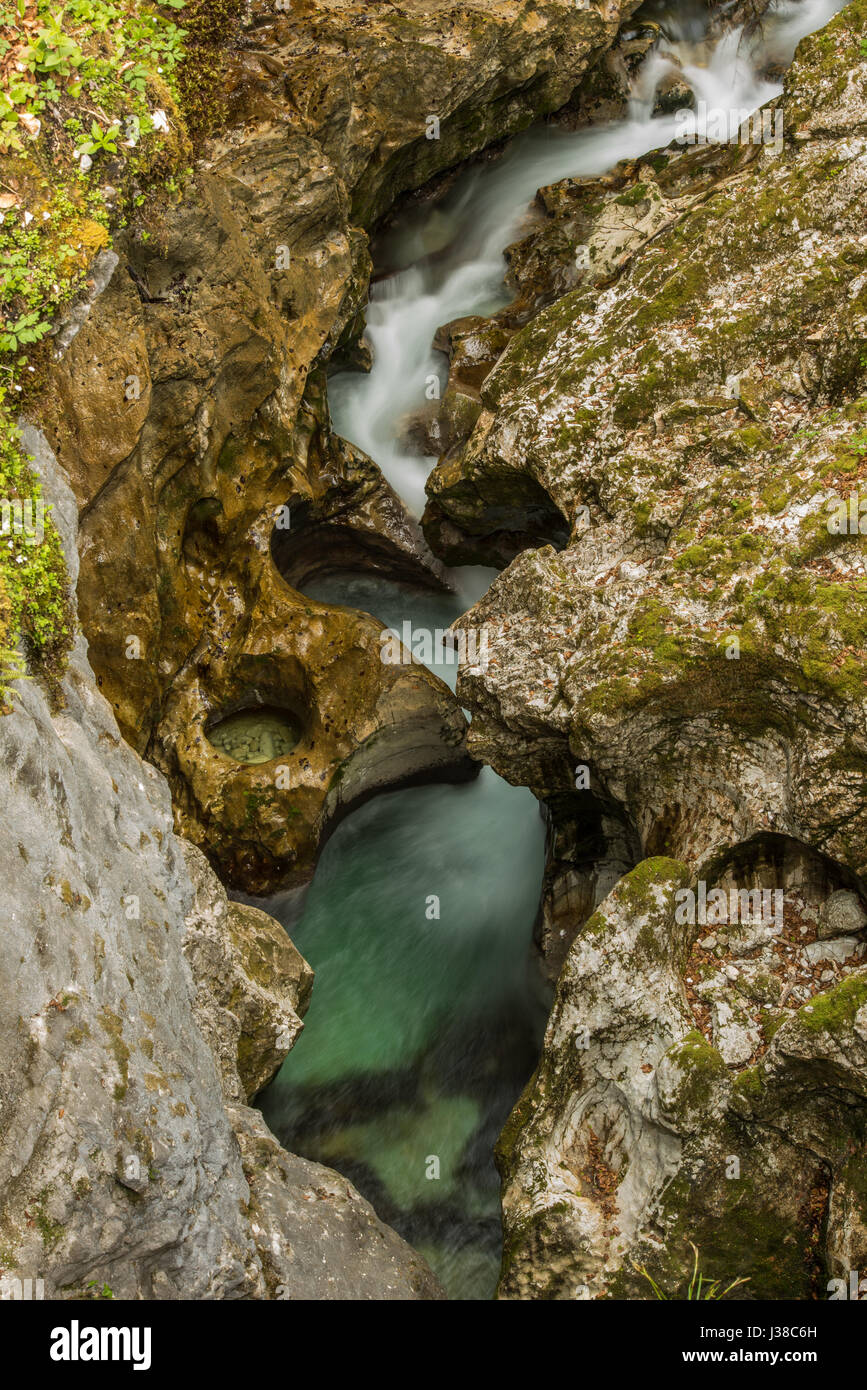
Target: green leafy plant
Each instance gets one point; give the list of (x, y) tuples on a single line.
[(34, 597), (699, 1289), (53, 51), (101, 140), (27, 329), (18, 91), (104, 1292), (137, 76)]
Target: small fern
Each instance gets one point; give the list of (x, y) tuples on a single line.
[(12, 668), (699, 1288)]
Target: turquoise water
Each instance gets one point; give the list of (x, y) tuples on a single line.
[(426, 1016), (426, 1019), (422, 1030)]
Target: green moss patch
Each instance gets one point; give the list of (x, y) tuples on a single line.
[(835, 1011), (93, 139), (34, 596)]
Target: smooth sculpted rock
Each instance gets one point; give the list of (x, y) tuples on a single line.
[(138, 1012), (363, 724), (252, 985)]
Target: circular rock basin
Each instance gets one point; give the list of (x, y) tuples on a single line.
[(255, 735)]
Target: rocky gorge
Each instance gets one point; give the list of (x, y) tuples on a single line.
[(645, 458)]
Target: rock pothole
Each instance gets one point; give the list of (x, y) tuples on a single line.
[(255, 735)]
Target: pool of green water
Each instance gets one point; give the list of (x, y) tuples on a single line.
[(426, 1015)]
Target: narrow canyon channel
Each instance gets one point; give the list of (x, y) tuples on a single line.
[(428, 1009)]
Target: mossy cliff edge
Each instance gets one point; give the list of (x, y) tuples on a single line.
[(89, 119)]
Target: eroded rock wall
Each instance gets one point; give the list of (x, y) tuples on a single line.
[(683, 675), (139, 1012), (698, 641), (190, 408), (643, 1136)]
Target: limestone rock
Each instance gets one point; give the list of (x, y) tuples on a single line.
[(364, 725), (120, 1162), (843, 914), (324, 1240), (842, 948), (637, 1136), (252, 985)]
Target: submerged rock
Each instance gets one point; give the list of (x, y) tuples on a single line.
[(254, 736)]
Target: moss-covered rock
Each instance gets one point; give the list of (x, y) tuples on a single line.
[(636, 1143), (700, 425), (697, 648)]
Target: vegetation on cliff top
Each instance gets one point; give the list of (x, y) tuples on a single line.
[(97, 100)]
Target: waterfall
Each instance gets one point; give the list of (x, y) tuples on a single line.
[(448, 261), (424, 1024)]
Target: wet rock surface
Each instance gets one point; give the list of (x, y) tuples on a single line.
[(684, 676), (252, 985), (363, 725)]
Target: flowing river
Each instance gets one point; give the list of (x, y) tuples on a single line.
[(426, 1020)]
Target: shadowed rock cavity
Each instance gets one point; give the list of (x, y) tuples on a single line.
[(588, 848), (465, 522), (366, 529), (474, 529)]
